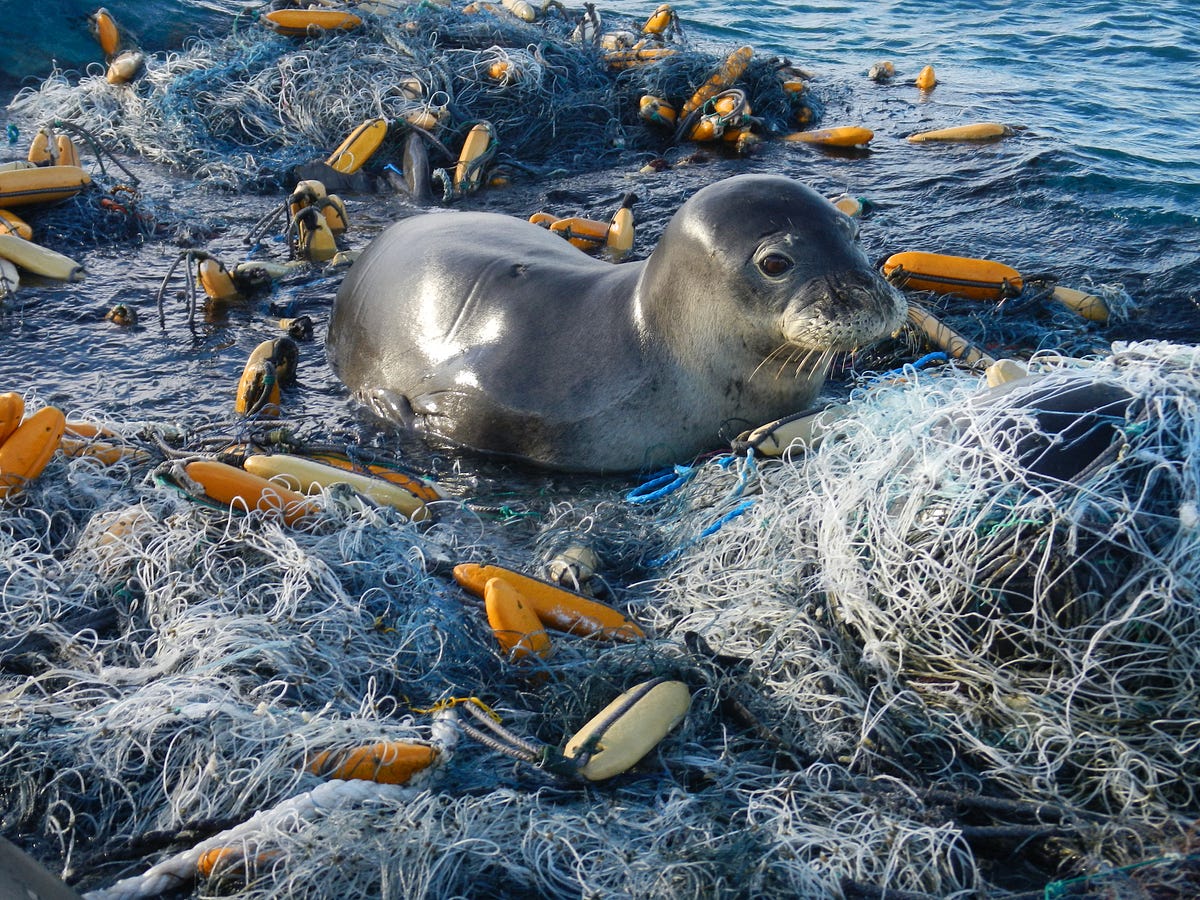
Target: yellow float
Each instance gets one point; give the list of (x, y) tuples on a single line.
[(418, 487), (310, 22), (555, 606), (106, 32), (385, 762), (358, 146), (656, 110), (660, 20), (842, 136), (722, 80), (516, 627), (271, 364), (238, 489), (45, 184), (978, 279), (11, 223), (26, 452), (12, 411)]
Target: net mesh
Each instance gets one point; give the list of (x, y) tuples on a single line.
[(242, 110), (905, 648)]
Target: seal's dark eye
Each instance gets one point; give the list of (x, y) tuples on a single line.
[(774, 264)]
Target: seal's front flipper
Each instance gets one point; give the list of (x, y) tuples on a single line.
[(391, 406)]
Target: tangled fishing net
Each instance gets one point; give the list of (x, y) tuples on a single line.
[(915, 656), (242, 110), (913, 600)]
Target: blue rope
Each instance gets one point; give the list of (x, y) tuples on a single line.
[(710, 530), (667, 481), (729, 516), (671, 479), (916, 365), (661, 484), (928, 359)]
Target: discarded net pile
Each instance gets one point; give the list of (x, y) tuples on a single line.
[(243, 109), (906, 659), (915, 605), (175, 679), (168, 670)]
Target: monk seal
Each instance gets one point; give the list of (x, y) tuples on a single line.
[(496, 335)]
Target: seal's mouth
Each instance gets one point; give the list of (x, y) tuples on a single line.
[(843, 312)]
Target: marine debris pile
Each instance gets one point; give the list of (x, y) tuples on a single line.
[(949, 650), (242, 110), (929, 647), (995, 602)]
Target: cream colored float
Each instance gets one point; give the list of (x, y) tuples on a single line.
[(10, 278), (978, 131), (621, 734), (309, 476), (39, 260)]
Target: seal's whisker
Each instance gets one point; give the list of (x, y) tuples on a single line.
[(809, 359), (797, 358), (786, 345), (821, 362)]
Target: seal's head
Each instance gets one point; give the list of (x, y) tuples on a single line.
[(791, 262)]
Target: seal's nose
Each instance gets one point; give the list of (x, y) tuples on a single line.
[(851, 293), (850, 308)]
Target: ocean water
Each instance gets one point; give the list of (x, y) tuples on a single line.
[(1100, 186)]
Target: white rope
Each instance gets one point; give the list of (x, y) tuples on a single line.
[(290, 815)]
